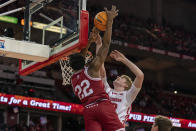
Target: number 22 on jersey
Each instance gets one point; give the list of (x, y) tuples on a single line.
[(83, 89)]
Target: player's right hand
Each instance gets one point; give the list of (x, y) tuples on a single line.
[(118, 56), (111, 14)]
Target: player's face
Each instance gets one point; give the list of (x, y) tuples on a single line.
[(120, 82), (154, 128)]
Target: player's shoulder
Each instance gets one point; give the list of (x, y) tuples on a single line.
[(77, 72), (133, 87)]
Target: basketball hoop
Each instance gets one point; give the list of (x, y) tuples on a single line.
[(67, 71)]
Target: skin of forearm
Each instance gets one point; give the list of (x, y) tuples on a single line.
[(84, 50), (102, 69), (108, 33), (98, 46)]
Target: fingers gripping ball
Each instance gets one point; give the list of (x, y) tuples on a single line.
[(100, 21)]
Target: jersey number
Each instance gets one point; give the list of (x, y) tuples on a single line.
[(86, 91)]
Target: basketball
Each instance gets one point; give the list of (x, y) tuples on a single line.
[(100, 21)]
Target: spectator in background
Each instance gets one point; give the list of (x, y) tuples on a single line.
[(161, 124)]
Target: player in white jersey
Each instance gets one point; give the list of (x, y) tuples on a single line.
[(125, 91)]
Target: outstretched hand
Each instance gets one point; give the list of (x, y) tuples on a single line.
[(111, 14), (118, 56)]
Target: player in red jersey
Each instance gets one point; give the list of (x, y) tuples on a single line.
[(99, 112)]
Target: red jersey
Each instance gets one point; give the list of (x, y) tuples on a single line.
[(88, 89)]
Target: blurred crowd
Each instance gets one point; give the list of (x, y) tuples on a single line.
[(168, 103), (40, 122), (127, 28), (34, 125), (133, 30)]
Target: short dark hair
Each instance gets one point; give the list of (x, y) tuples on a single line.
[(163, 123), (76, 61)]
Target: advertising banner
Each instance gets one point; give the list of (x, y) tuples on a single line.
[(50, 105), (42, 104)]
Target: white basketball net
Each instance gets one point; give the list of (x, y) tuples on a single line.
[(67, 71)]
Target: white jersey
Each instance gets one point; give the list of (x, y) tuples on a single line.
[(122, 100)]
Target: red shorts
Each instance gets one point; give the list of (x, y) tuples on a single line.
[(102, 116)]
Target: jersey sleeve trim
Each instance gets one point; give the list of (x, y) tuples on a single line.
[(107, 86), (87, 75)]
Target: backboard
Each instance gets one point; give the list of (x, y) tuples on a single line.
[(64, 28)]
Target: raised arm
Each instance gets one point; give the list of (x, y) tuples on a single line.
[(102, 69), (137, 72), (98, 46), (92, 38), (103, 51)]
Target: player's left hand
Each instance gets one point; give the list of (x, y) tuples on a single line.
[(94, 34), (118, 56)]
